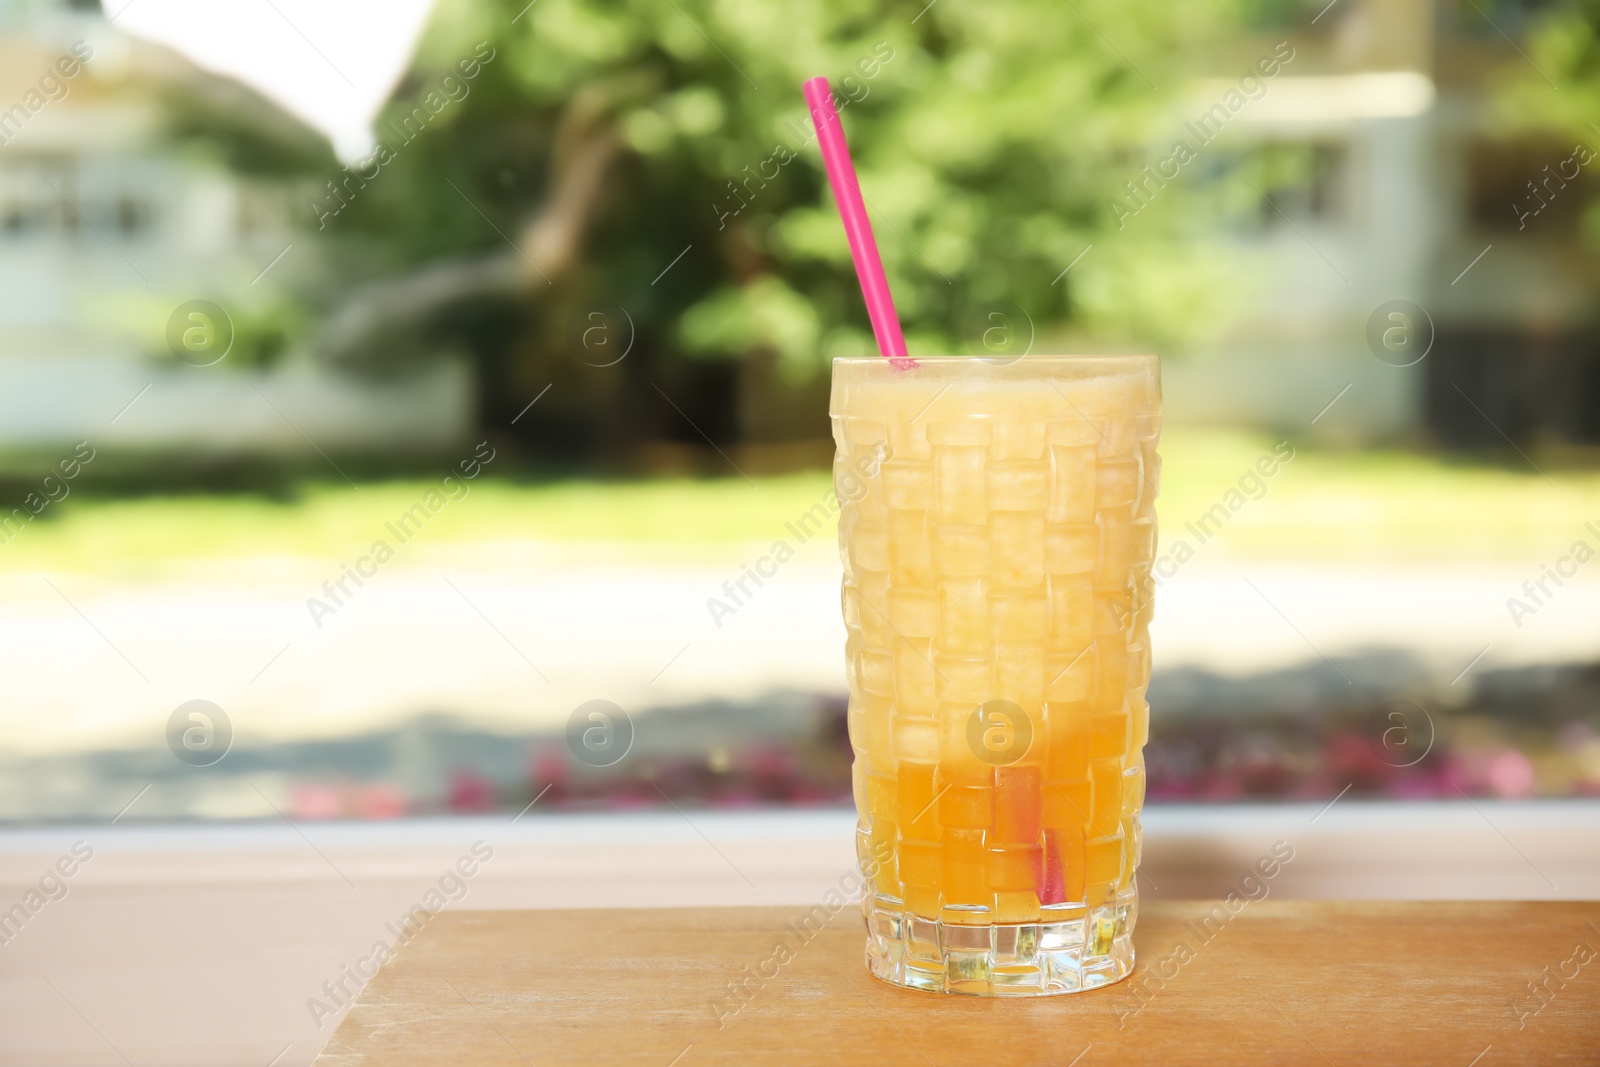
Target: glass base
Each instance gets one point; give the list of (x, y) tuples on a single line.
[(1069, 950)]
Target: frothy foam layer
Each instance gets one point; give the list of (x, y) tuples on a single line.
[(1026, 390)]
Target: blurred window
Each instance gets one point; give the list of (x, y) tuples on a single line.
[(1526, 186), (1283, 14), (1491, 18), (133, 214), (43, 197), (30, 203), (1303, 180)]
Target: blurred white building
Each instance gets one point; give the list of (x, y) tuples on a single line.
[(1384, 176), (109, 223)]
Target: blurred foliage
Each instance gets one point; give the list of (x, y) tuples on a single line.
[(236, 126), (989, 138), (266, 323), (1557, 92)]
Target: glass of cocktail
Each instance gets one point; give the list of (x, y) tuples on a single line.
[(997, 528)]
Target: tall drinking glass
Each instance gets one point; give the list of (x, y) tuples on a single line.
[(997, 525)]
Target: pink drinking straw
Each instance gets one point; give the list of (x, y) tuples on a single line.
[(857, 227)]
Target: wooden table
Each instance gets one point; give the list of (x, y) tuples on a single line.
[(1290, 982)]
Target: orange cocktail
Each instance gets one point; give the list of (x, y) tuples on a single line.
[(998, 527)]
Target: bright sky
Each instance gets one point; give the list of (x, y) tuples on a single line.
[(331, 62)]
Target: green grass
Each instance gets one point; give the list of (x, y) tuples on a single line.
[(1320, 506), (330, 519), (1378, 506)]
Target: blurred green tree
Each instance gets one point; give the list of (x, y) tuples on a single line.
[(652, 163), (1556, 93)]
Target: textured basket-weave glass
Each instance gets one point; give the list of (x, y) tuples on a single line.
[(998, 525)]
